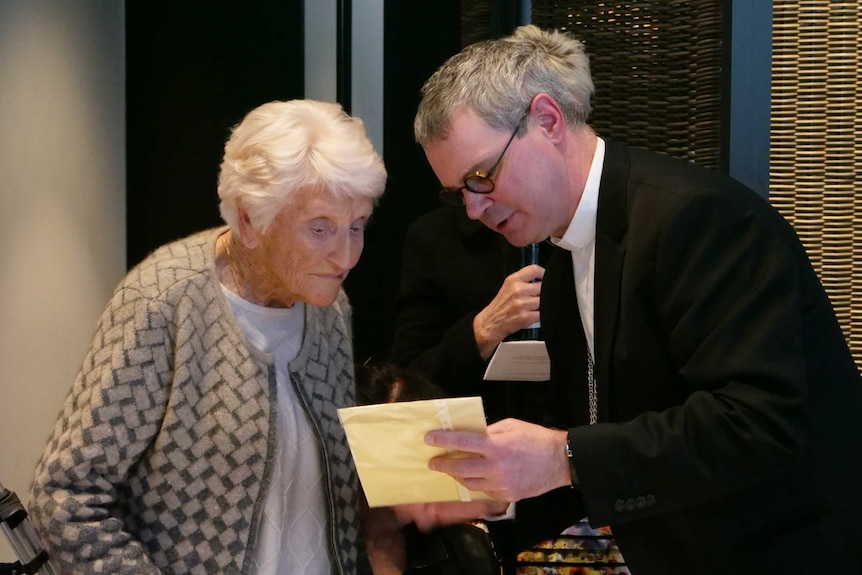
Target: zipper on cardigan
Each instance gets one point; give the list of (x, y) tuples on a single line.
[(326, 475)]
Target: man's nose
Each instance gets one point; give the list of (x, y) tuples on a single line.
[(476, 204)]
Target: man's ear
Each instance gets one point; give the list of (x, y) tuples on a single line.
[(247, 234), (549, 116)]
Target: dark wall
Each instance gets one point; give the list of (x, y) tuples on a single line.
[(192, 71)]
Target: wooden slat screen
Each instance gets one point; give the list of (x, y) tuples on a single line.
[(816, 143)]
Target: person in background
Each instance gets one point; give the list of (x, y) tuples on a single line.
[(463, 291), (708, 408), (394, 547), (201, 434), (386, 382)]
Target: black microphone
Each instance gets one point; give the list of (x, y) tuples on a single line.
[(530, 255)]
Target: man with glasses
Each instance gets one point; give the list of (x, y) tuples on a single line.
[(480, 182), (707, 406)]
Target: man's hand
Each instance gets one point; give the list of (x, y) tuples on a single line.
[(516, 306), (513, 461), (428, 516)]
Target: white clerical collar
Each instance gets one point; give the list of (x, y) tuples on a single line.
[(582, 229)]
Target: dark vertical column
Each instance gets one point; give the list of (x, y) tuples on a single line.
[(417, 37), (343, 61), (509, 14), (748, 92)]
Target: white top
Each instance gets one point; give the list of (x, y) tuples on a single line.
[(292, 533)]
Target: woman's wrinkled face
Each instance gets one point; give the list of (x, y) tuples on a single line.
[(312, 244)]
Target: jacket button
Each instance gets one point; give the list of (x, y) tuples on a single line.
[(630, 504), (619, 505), (650, 499), (640, 502)]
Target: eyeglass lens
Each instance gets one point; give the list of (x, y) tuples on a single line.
[(480, 183)]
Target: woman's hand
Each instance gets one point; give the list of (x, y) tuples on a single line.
[(428, 516)]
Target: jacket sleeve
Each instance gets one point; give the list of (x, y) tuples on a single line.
[(433, 334), (726, 283), (110, 417)]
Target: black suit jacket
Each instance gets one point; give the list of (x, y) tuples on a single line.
[(730, 409)]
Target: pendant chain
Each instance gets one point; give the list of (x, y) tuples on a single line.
[(591, 387)]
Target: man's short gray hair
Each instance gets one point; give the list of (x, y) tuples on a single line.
[(499, 78)]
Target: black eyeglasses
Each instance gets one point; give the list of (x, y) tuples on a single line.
[(479, 182)]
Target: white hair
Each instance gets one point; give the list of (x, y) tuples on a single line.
[(281, 148)]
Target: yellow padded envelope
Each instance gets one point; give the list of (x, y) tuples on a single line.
[(388, 446)]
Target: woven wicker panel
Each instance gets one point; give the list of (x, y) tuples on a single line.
[(656, 67), (816, 143)]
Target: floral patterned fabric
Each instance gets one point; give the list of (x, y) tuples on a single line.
[(579, 550)]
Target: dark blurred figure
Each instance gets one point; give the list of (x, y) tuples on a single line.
[(464, 291), (459, 549)]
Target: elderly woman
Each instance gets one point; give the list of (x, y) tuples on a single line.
[(201, 434)]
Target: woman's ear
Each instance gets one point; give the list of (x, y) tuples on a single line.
[(247, 234)]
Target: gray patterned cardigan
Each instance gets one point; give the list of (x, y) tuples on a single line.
[(160, 459)]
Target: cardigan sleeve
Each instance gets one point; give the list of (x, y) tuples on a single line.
[(110, 417)]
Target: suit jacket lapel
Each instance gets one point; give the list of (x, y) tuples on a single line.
[(564, 337), (561, 320), (611, 221)]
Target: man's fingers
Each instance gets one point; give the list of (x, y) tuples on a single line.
[(461, 468), (457, 440)]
